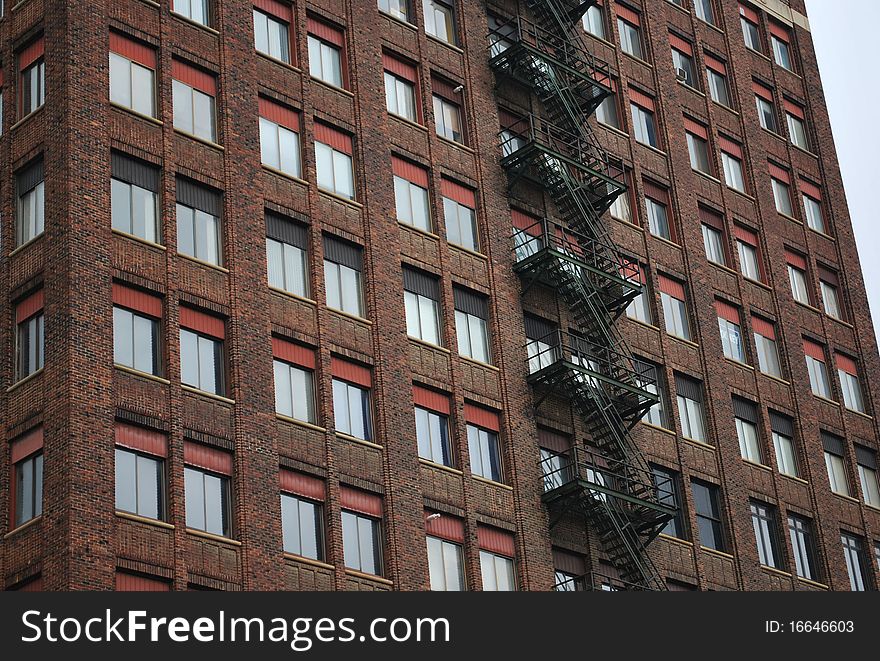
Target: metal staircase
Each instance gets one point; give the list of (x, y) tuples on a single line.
[(611, 484)]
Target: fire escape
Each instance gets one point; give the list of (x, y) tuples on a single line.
[(609, 482)]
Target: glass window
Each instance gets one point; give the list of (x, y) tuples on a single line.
[(786, 459), (28, 489), (718, 90), (731, 340), (556, 469), (497, 572), (201, 362), (607, 112), (768, 355), (733, 172), (837, 477), (288, 267), (140, 484), (676, 316), (764, 525), (640, 308), (279, 148), (352, 411), (658, 219), (643, 125), (445, 565), (856, 563), (749, 444), (698, 149), (422, 317), (132, 85), (325, 61), (713, 242), (294, 392), (33, 87), (594, 21), (870, 486), (621, 209), (630, 38), (271, 36), (666, 483), (650, 380), (302, 526), (396, 8), (198, 234), (704, 10), (30, 212), (400, 97), (439, 20), (485, 453), (136, 341), (798, 280), (819, 382), (194, 10), (781, 53), (797, 132), (447, 119), (473, 336), (800, 531), (194, 112), (29, 346), (751, 34), (852, 391), (685, 70), (134, 210), (362, 543), (813, 214), (432, 434), (412, 204), (749, 263), (693, 421), (344, 288), (766, 114), (208, 502), (708, 515), (830, 300), (335, 170)]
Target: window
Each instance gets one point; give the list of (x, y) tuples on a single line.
[(555, 459), (751, 32), (797, 129), (202, 362), (831, 301), (800, 531), (848, 373), (779, 39), (674, 302), (748, 252), (411, 200), (766, 347), (708, 515), (497, 551), (472, 325), (866, 462), (362, 531), (746, 419), (716, 73), (272, 29), (729, 325), (666, 483), (208, 489), (432, 426), (302, 515), (134, 197), (594, 21), (836, 464), (690, 408), (483, 427), (650, 379), (32, 68), (543, 343), (29, 336), (287, 254), (343, 265), (628, 25), (732, 164), (132, 75), (815, 355), (712, 226), (620, 208), (396, 8), (640, 308), (643, 123), (294, 370), (856, 562), (352, 408), (698, 146), (797, 277), (657, 204), (140, 483), (448, 122), (400, 88), (279, 138), (812, 198), (766, 536), (781, 190), (704, 11), (194, 10), (766, 107), (194, 93), (136, 328), (325, 53), (27, 466), (439, 20), (421, 298), (198, 222), (782, 429), (333, 161), (445, 557), (608, 112), (683, 61), (30, 204)]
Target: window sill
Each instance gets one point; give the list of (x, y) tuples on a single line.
[(370, 577), (644, 323), (399, 20), (652, 148), (860, 414), (843, 496), (815, 584), (676, 540), (286, 175), (300, 423), (332, 87), (468, 251), (486, 480), (794, 478), (634, 58), (448, 45), (687, 343), (873, 508), (699, 444), (26, 118), (429, 345), (723, 267), (776, 378), (843, 323), (207, 395), (440, 467), (150, 3), (706, 175), (755, 464), (275, 60), (135, 113), (359, 441), (668, 242), (341, 198), (142, 375), (763, 56), (720, 554), (691, 88), (613, 129), (145, 242), (296, 297), (212, 537), (791, 218), (24, 526), (773, 133), (824, 235), (711, 26), (457, 145), (28, 378), (413, 228), (826, 400), (308, 561), (741, 194), (777, 572), (806, 152), (25, 245), (408, 122), (762, 285), (142, 519), (808, 306), (189, 21), (737, 363), (658, 428), (351, 316), (727, 108), (204, 141), (479, 363), (202, 262)]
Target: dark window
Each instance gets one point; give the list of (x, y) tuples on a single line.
[(362, 543), (30, 203), (198, 222), (803, 545), (287, 255), (134, 187), (766, 537), (28, 488), (432, 434), (856, 562), (140, 484), (29, 345), (302, 524), (351, 407), (711, 533), (667, 484), (208, 502), (202, 362), (343, 264)]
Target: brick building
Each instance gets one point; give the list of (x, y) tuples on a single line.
[(282, 311)]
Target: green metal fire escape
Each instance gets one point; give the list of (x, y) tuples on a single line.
[(610, 483)]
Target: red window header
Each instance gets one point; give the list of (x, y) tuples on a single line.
[(671, 287), (727, 311), (137, 300), (352, 372), (745, 235), (445, 527), (477, 415), (204, 456), (194, 77), (763, 327), (711, 218), (29, 307), (400, 68), (27, 444), (793, 108), (334, 138), (813, 350), (696, 128), (203, 323), (325, 32), (716, 65), (780, 173), (303, 485), (810, 189), (641, 99), (295, 354), (552, 440), (796, 260), (410, 171), (780, 32), (496, 541), (458, 193), (764, 92), (135, 51), (680, 44), (282, 115), (360, 501), (31, 53), (135, 583), (431, 400), (846, 364), (730, 147), (628, 15), (525, 222), (749, 13), (141, 439), (277, 9)]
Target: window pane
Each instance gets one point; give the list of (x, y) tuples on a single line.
[(324, 166), (183, 106), (120, 80), (342, 174), (145, 332), (290, 156), (283, 393), (214, 515), (351, 291), (126, 481), (269, 143), (143, 89), (207, 367), (350, 541), (123, 348), (148, 488), (195, 499), (309, 526)]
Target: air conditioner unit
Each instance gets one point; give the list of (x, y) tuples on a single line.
[(682, 75)]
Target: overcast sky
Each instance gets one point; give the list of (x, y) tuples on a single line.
[(845, 36)]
